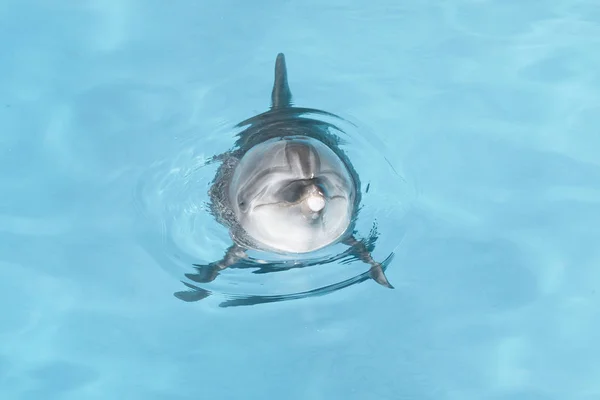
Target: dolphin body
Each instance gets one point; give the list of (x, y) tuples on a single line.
[(286, 187)]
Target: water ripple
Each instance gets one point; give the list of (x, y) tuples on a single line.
[(181, 234)]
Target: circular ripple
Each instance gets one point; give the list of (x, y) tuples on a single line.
[(179, 231)]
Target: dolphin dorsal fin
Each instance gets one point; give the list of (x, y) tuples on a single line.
[(281, 96)]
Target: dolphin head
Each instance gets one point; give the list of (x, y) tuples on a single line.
[(292, 194)]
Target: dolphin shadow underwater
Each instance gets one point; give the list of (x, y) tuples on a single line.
[(287, 188)]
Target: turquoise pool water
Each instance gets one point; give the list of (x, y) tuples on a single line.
[(490, 110)]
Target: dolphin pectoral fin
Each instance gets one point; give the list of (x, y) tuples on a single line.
[(378, 275), (205, 273), (376, 272), (281, 96), (208, 273)]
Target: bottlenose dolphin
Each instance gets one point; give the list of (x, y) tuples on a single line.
[(286, 187)]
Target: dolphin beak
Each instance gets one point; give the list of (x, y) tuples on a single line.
[(315, 202)]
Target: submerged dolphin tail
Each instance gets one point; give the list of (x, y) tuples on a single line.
[(281, 96)]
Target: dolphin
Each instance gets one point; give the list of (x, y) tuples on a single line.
[(286, 187)]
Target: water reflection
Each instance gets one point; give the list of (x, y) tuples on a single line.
[(207, 273)]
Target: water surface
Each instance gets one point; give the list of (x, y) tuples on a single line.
[(490, 109)]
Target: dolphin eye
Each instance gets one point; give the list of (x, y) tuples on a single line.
[(242, 203)]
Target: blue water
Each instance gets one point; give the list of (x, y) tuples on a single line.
[(491, 110)]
